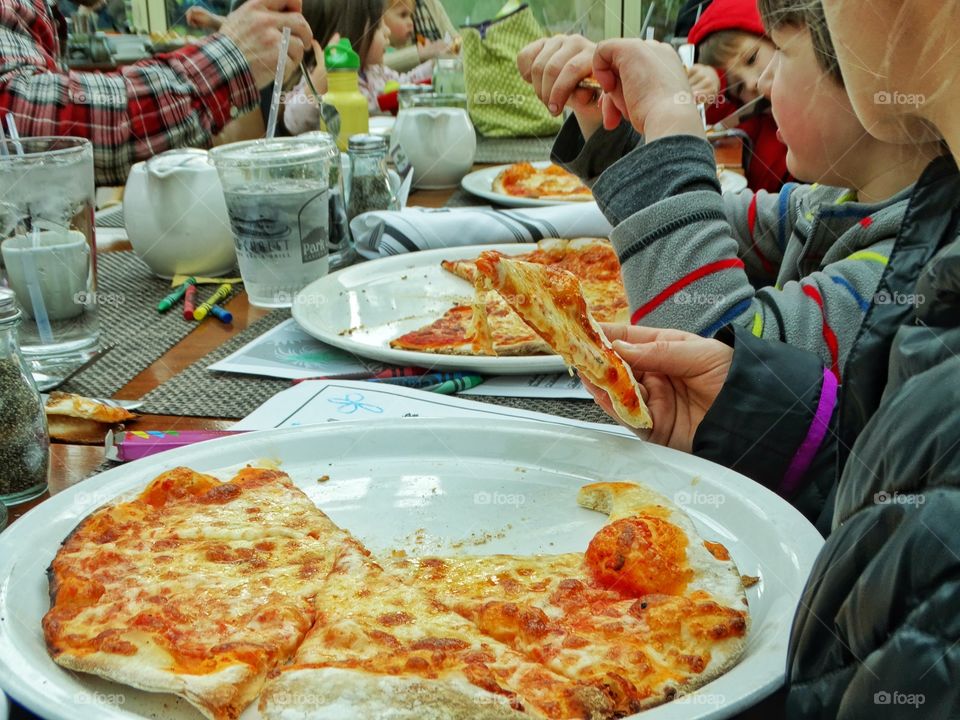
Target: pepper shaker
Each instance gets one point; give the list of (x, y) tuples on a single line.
[(369, 181), (24, 443)]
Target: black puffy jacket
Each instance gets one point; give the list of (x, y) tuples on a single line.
[(877, 634)]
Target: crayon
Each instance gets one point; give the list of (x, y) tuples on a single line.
[(170, 300), (454, 386), (388, 373), (189, 302), (421, 381), (221, 294), (224, 316)]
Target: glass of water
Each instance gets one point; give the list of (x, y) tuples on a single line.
[(277, 194), (48, 251)]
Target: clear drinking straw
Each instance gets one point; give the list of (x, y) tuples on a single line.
[(34, 289), (278, 84)]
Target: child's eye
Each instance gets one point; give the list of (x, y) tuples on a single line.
[(752, 59)]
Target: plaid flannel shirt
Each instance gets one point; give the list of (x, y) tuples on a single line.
[(179, 99)]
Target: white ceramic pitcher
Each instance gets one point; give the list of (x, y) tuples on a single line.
[(176, 217), (440, 143)]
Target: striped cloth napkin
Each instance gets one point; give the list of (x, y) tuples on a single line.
[(382, 233)]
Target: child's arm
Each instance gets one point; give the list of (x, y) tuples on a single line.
[(589, 157), (402, 60), (300, 113), (681, 263)]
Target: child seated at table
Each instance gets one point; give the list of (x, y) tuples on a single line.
[(733, 50), (803, 265), (407, 50), (362, 22)]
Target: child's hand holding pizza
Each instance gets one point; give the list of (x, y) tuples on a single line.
[(646, 83), (680, 375)]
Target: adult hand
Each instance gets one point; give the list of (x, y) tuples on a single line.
[(202, 19), (257, 29), (680, 375), (645, 82), (705, 83), (555, 66)]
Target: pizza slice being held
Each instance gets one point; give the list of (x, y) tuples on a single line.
[(551, 302)]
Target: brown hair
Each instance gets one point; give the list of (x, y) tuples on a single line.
[(720, 47), (358, 20), (804, 14)]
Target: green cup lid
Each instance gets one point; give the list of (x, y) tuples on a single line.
[(341, 56)]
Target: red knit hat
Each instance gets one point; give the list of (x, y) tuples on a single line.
[(742, 15)]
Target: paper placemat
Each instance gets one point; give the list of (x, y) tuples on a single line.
[(198, 392), (511, 150), (127, 296)]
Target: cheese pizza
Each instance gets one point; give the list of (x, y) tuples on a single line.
[(489, 326), (550, 300), (523, 180), (221, 592)]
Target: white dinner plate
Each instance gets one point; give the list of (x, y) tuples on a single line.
[(480, 183), (429, 486), (362, 308)]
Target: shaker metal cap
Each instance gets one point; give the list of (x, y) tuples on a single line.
[(9, 310), (366, 143)]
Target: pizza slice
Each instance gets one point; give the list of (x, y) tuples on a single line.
[(195, 587), (651, 611), (452, 334), (551, 302), (384, 648), (548, 183)]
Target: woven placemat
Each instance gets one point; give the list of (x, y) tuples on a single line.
[(510, 150), (461, 198), (127, 296), (197, 392)]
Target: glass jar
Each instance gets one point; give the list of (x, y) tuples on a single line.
[(24, 443), (340, 242), (448, 77), (369, 181)]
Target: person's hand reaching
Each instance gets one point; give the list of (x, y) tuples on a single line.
[(705, 83), (555, 66), (680, 375)]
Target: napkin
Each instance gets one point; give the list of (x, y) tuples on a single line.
[(382, 233)]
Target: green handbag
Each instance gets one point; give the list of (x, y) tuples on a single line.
[(500, 102)]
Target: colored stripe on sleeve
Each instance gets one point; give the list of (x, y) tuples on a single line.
[(829, 337), (751, 226), (738, 309), (784, 206), (815, 435), (757, 328), (844, 283), (869, 255), (687, 279)]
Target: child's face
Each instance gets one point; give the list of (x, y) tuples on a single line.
[(743, 70), (399, 18), (815, 119), (378, 47)]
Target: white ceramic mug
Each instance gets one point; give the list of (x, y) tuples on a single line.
[(56, 263)]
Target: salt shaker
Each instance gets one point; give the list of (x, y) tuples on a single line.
[(369, 180), (24, 443)]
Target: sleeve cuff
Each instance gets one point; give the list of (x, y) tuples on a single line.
[(231, 90), (772, 415), (664, 168), (588, 159)]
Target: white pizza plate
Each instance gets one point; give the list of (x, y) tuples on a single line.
[(431, 486), (480, 183), (362, 308)]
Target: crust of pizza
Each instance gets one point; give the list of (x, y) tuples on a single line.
[(550, 301), (77, 406), (334, 694)]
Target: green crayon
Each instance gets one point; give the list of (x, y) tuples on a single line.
[(170, 300)]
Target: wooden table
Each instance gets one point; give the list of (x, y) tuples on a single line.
[(70, 464)]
